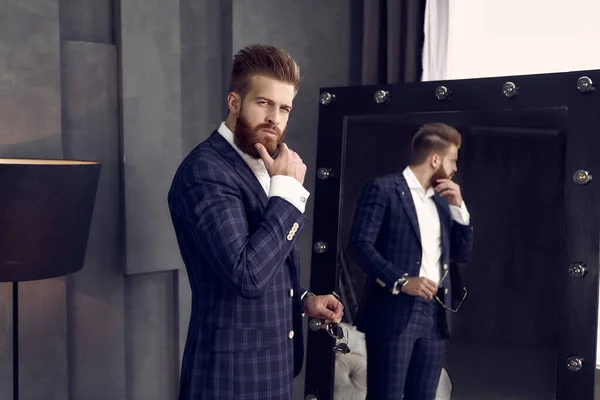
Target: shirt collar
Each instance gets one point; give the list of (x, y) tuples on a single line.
[(415, 185), (252, 162)]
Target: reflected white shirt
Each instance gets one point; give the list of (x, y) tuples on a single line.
[(429, 225), (286, 187)]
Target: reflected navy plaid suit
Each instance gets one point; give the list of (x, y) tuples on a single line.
[(245, 334), (385, 241)]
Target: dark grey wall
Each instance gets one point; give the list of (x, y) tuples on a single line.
[(135, 84), (30, 126)]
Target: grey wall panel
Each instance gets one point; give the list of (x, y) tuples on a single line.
[(30, 126), (29, 71), (43, 340), (95, 297), (205, 50), (203, 32), (87, 21), (151, 108), (317, 34), (184, 308), (151, 336), (5, 340), (49, 147)]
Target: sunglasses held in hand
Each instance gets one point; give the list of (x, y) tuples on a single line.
[(334, 330)]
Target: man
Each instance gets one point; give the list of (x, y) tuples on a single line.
[(237, 213), (406, 230)]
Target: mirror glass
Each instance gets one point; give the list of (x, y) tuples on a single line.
[(511, 172)]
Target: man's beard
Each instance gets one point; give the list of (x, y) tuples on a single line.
[(440, 174), (245, 137)]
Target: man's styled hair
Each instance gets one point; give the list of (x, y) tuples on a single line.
[(432, 138), (265, 60)]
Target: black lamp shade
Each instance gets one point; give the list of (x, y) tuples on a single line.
[(46, 209)]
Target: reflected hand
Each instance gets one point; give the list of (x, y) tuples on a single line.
[(422, 287), (451, 190), (326, 308)]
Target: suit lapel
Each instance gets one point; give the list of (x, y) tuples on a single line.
[(223, 147), (408, 203), (219, 143)]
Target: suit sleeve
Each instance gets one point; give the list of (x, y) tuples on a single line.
[(245, 261), (461, 242), (368, 220)]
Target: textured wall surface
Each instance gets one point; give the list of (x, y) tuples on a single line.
[(30, 126), (95, 294), (135, 84), (151, 135)]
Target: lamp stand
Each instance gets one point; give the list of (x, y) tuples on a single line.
[(15, 303)]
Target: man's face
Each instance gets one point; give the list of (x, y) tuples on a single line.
[(263, 115), (447, 166)]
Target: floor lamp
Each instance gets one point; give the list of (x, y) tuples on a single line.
[(46, 210)]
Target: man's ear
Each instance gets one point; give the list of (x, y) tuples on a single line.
[(435, 160), (234, 103)]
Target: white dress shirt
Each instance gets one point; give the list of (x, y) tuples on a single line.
[(429, 225), (286, 187)]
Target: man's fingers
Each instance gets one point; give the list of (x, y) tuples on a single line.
[(428, 284), (424, 295), (443, 186), (446, 192), (339, 312), (427, 292), (264, 154), (431, 286), (324, 311), (448, 182)]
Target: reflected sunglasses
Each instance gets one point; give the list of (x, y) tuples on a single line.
[(443, 304)]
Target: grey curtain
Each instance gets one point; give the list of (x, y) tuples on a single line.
[(392, 41)]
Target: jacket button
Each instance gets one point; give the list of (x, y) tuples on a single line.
[(446, 291), (291, 292), (291, 334)]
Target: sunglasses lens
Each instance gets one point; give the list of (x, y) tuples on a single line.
[(336, 331), (341, 348)]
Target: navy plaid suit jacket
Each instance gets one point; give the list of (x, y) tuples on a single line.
[(240, 254), (385, 241)]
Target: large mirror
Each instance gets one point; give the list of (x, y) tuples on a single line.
[(527, 328), (511, 169)]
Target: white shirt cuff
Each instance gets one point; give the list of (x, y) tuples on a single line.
[(289, 189), (460, 214)]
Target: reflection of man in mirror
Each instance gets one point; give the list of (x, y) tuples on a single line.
[(406, 230), (238, 213)]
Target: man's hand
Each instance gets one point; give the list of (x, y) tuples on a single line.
[(422, 287), (287, 162), (449, 189), (326, 308)]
